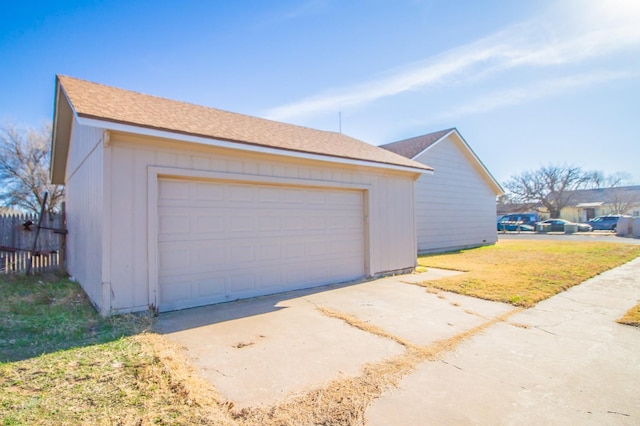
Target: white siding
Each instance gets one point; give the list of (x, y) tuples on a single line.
[(392, 219), (388, 195), (455, 207), (84, 202)]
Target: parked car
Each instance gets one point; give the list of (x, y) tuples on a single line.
[(510, 222), (604, 223), (516, 222), (557, 225), (515, 227)]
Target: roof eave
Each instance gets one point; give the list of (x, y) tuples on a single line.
[(241, 145), (60, 135)]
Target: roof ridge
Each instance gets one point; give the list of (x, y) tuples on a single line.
[(195, 105), (116, 105)]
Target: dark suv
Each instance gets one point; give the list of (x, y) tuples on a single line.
[(605, 223), (518, 222)]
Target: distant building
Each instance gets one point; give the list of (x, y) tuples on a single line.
[(585, 204), (589, 203)]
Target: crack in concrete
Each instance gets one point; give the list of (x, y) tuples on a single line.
[(546, 331), (452, 365), (583, 303), (617, 412)]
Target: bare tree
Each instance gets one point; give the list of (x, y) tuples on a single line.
[(597, 179), (550, 186), (623, 199), (24, 169), (620, 197)]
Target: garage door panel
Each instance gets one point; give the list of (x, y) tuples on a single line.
[(174, 224), (178, 293), (242, 193), (213, 256), (242, 282), (211, 287), (268, 222), (271, 277), (231, 240), (209, 223), (269, 195), (207, 193), (174, 258), (294, 223), (268, 253), (241, 222), (175, 190)]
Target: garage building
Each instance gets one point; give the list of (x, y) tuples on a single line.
[(171, 205)]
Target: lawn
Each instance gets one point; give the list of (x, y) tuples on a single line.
[(61, 363), (47, 313), (523, 272)]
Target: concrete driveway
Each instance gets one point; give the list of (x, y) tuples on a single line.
[(565, 361)]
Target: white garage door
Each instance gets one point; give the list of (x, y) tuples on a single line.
[(225, 241)]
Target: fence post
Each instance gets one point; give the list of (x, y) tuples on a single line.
[(62, 253)]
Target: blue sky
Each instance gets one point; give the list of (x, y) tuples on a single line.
[(527, 83)]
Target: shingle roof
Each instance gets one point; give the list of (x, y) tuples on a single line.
[(411, 147), (93, 100), (603, 195)]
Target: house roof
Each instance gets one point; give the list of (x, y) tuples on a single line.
[(113, 105), (599, 196), (414, 147)]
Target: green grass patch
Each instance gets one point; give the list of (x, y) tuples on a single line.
[(62, 363), (47, 313), (525, 272)]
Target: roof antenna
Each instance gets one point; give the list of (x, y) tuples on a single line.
[(340, 121)]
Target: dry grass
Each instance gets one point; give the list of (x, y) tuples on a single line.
[(632, 317), (522, 272), (134, 380)]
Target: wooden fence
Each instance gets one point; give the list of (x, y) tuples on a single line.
[(16, 242)]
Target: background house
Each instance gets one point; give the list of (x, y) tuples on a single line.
[(171, 205), (456, 206), (586, 204)]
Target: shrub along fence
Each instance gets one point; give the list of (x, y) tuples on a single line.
[(16, 243)]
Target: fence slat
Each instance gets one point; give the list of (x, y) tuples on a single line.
[(13, 234)]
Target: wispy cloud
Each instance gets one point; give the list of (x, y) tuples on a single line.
[(539, 90), (591, 33), (418, 76)]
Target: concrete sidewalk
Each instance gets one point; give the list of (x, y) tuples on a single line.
[(565, 361)]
